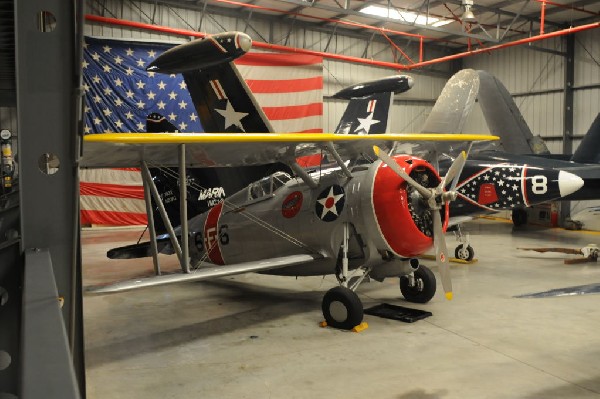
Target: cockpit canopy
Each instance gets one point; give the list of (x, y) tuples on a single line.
[(267, 186)]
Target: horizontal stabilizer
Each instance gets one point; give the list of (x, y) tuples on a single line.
[(200, 54), (389, 84), (135, 251), (205, 273)]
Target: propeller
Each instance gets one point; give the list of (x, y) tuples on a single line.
[(590, 253), (436, 197)]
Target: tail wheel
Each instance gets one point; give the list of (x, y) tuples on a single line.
[(342, 308), (423, 288), (463, 252)]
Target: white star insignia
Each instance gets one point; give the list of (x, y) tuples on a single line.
[(366, 123), (232, 117), (332, 208)]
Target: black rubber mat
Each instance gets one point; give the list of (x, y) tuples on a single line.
[(400, 313)]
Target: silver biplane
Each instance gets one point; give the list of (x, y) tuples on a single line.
[(371, 219)]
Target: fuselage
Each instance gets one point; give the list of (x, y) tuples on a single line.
[(280, 215)]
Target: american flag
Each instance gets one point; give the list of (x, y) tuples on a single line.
[(120, 94), (495, 188)]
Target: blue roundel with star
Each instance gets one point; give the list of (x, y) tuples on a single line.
[(330, 203)]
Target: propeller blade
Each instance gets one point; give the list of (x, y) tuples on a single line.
[(441, 253), (389, 161), (455, 170)]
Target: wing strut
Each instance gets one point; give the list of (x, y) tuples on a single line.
[(338, 159), (150, 214), (185, 249), (163, 213), (298, 170)]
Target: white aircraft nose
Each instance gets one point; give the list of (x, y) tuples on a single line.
[(568, 183)]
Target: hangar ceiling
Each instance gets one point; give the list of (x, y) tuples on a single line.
[(409, 27)]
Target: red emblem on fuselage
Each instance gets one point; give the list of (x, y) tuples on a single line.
[(292, 204)]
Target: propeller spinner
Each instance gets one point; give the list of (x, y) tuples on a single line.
[(436, 197)]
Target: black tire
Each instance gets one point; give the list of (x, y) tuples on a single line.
[(342, 308), (413, 294), (464, 253), (519, 217)]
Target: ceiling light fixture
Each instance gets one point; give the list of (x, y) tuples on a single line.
[(468, 15)]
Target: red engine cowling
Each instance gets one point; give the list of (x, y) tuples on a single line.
[(401, 213)]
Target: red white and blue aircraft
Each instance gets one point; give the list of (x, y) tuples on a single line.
[(373, 218)]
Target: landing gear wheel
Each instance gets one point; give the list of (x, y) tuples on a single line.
[(519, 217), (463, 252), (423, 289), (342, 308)]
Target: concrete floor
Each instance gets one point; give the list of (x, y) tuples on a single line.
[(255, 336)]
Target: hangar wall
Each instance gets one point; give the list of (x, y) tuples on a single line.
[(536, 80), (410, 109)]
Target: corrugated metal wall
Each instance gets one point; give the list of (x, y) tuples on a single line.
[(410, 110)]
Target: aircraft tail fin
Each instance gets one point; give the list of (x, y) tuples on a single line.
[(367, 111), (504, 118), (454, 104), (222, 99), (589, 148)]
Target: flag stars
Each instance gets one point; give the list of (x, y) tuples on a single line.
[(107, 112), (84, 64), (172, 95), (193, 117), (515, 187), (96, 56), (118, 82), (118, 102), (86, 109), (97, 99), (118, 60), (129, 115), (96, 79), (161, 104), (172, 116), (161, 85), (151, 74), (140, 104), (140, 126), (151, 53), (97, 121), (86, 87), (182, 85), (129, 71), (106, 49), (129, 94), (129, 52), (182, 104), (140, 63), (107, 91), (183, 126), (119, 124), (501, 183), (151, 95), (106, 68), (140, 85), (87, 129)]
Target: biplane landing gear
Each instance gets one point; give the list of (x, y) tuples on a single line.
[(418, 287), (342, 308), (464, 252)]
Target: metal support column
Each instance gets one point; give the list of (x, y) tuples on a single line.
[(48, 64), (565, 206)]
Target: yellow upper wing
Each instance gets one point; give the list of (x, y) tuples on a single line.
[(237, 149)]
